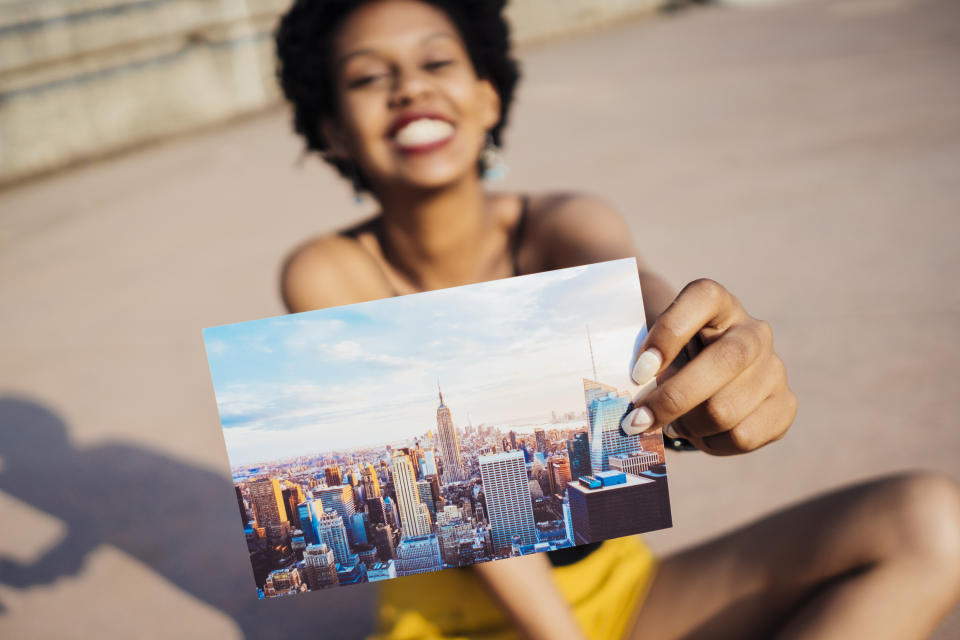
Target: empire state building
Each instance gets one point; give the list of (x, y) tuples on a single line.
[(449, 446)]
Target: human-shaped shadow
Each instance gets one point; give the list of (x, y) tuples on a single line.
[(180, 520)]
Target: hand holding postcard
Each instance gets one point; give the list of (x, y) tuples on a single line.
[(441, 429)]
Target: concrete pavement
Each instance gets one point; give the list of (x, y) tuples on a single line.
[(806, 155)]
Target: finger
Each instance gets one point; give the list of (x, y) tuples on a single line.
[(702, 303), (729, 406), (704, 376), (765, 425)]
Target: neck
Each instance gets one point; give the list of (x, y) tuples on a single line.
[(440, 238)]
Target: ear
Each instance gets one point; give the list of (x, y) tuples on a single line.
[(333, 133), (489, 104)]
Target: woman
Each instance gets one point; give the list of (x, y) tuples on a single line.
[(408, 100)]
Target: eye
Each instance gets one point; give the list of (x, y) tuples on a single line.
[(437, 64), (366, 80)]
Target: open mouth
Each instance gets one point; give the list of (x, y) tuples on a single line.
[(423, 134)]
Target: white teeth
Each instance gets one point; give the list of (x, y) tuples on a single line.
[(423, 131)]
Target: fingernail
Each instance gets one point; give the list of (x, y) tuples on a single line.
[(671, 431), (637, 421), (647, 365)]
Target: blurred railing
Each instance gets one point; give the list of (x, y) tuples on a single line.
[(81, 79)]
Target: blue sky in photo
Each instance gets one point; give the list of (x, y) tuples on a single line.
[(506, 352)]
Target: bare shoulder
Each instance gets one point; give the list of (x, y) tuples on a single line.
[(328, 271), (568, 229)]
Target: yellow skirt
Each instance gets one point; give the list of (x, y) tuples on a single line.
[(605, 589)]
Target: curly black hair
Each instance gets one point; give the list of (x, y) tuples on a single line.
[(305, 67)]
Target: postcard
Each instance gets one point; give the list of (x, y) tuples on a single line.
[(440, 429)]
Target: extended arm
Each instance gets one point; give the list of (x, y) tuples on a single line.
[(512, 581)]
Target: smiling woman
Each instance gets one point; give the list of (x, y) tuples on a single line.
[(404, 97), (373, 68)]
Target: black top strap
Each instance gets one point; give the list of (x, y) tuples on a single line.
[(518, 234)]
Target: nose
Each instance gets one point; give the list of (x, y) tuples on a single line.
[(409, 86)]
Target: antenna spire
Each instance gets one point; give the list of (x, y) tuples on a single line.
[(439, 391), (592, 359)]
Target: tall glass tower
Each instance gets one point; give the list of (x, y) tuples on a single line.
[(453, 470), (509, 505), (331, 531), (605, 408), (413, 521)]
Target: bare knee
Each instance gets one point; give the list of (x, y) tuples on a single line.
[(924, 509)]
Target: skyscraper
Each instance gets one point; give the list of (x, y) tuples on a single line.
[(333, 476), (454, 529), (593, 390), (370, 481), (435, 490), (382, 571), (429, 462), (376, 511), (358, 525), (578, 452), (635, 462), (305, 512), (559, 473), (509, 504), (281, 582), (383, 539), (478, 514), (340, 499), (541, 437), (611, 504), (330, 530), (268, 509), (320, 567), (568, 519), (449, 445), (419, 554), (390, 511), (424, 521), (292, 496), (408, 497), (425, 492), (605, 408)]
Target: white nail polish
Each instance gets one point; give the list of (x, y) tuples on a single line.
[(647, 365), (637, 421), (671, 431)]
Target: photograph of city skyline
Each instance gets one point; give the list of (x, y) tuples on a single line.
[(442, 429)]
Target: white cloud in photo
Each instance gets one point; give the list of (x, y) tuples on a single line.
[(366, 374)]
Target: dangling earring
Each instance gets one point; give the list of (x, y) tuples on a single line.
[(494, 168)]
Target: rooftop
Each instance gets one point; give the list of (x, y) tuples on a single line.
[(516, 454), (631, 481)]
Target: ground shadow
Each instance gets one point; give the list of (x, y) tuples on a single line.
[(180, 520)]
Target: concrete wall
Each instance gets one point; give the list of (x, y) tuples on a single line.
[(84, 78)]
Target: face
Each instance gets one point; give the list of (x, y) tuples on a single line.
[(413, 112)]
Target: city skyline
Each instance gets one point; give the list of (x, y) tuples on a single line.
[(385, 513), (360, 375)]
